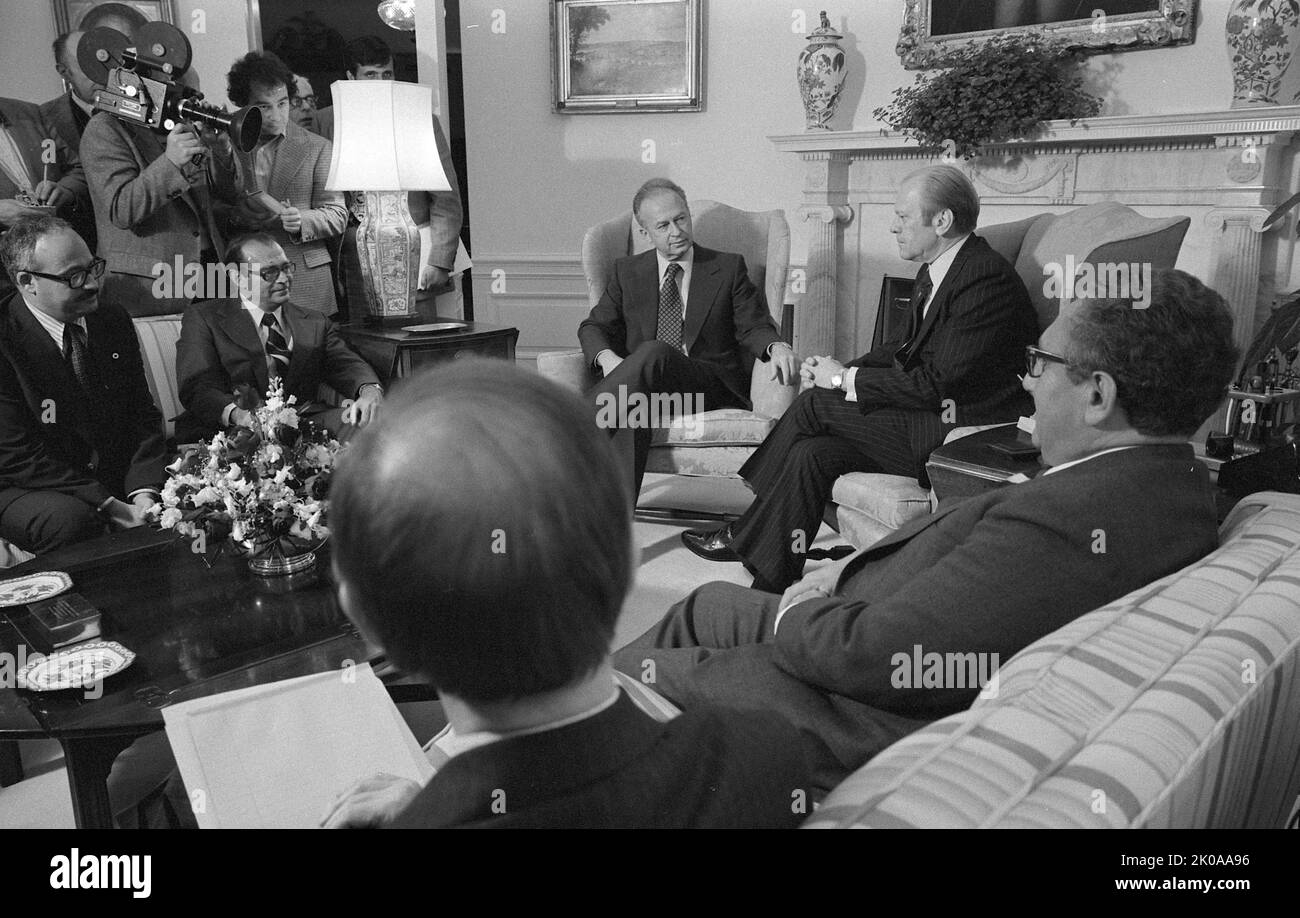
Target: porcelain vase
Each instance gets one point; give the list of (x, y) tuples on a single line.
[(1262, 37), (821, 73)]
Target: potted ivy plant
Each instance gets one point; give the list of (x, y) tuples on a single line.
[(998, 90)]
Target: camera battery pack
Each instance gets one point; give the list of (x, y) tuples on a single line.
[(65, 619)]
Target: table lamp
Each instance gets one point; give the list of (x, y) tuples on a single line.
[(384, 146)]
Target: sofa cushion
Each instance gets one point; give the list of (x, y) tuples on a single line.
[(891, 500), (1178, 705), (721, 427)]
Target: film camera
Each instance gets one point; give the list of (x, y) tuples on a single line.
[(141, 82)]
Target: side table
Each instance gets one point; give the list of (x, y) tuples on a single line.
[(396, 354), (970, 466)]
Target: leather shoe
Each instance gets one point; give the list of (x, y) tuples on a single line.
[(711, 545)]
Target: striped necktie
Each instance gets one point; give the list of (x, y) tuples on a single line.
[(277, 349), (77, 354), (669, 330)]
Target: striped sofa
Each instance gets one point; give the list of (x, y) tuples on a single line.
[(1177, 705)]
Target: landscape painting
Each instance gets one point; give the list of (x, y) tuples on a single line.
[(626, 55)]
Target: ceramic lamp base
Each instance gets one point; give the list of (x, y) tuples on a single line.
[(388, 245)]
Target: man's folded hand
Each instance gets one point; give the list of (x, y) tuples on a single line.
[(371, 803)]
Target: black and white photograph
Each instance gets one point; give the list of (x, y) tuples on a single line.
[(881, 416)]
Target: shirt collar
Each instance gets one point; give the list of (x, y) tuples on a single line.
[(939, 267), (1065, 465), (256, 312), (686, 261), (454, 743), (53, 326)]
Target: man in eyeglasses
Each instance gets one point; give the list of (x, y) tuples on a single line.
[(238, 344), (81, 442), (303, 105), (1118, 391)]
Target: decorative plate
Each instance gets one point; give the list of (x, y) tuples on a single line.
[(76, 667), (33, 588), (434, 328)]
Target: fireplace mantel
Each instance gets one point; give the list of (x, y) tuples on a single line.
[(1224, 169)]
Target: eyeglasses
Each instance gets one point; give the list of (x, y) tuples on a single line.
[(76, 278), (1035, 357), (271, 272), (303, 101)]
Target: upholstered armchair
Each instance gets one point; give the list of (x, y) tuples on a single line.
[(714, 443), (867, 506)]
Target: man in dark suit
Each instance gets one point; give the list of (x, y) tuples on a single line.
[(37, 170), (1118, 391), (482, 537), (82, 443), (243, 341), (887, 410), (68, 114), (678, 319)]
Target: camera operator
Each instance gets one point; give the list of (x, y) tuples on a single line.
[(153, 201)]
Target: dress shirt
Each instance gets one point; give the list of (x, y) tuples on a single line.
[(1015, 479), (255, 314), (938, 271), (264, 160)]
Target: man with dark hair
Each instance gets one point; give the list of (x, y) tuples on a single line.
[(482, 537), (1118, 390), (153, 200), (369, 58), (67, 114), (82, 443), (240, 343), (678, 318), (887, 410), (291, 165)]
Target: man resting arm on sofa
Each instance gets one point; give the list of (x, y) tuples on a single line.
[(1118, 392)]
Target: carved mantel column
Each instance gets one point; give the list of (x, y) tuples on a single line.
[(826, 209), (1234, 265)]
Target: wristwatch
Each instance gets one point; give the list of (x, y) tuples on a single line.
[(837, 381)]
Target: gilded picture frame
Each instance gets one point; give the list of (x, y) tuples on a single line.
[(86, 14), (627, 56), (933, 29)]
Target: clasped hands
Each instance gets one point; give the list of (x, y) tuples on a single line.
[(818, 371)]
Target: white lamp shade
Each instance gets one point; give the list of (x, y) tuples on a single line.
[(383, 138)]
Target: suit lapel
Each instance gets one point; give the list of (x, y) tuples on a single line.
[(238, 326), (705, 284), (647, 268), (289, 157), (47, 367), (303, 332), (943, 293)]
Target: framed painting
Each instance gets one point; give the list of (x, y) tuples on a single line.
[(123, 15), (627, 56), (933, 29)]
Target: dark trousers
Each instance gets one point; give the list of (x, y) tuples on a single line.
[(715, 617), (819, 438), (652, 368), (41, 521)]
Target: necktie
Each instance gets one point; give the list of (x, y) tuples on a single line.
[(77, 354), (670, 308), (920, 293), (277, 349)]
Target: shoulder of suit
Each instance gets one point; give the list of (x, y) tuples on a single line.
[(302, 313), (19, 108)]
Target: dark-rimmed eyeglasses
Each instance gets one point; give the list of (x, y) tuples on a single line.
[(1035, 357), (303, 102), (76, 278), (271, 272)]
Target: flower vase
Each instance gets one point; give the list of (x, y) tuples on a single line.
[(821, 75), (1262, 36), (275, 563)]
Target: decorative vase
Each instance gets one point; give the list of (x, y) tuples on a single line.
[(821, 75), (1262, 36), (275, 563)]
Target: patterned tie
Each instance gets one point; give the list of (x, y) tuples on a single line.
[(277, 349), (920, 293), (77, 354), (670, 308)]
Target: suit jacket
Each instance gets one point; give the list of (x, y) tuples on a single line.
[(442, 210), (622, 769), (302, 164), (219, 349), (987, 575), (68, 121), (50, 438), (148, 211), (970, 349), (727, 323), (30, 129)]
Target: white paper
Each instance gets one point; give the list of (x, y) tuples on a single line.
[(462, 262), (277, 755)]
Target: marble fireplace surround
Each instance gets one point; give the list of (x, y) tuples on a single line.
[(1225, 170)]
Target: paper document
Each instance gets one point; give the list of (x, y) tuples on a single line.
[(462, 262), (277, 755)]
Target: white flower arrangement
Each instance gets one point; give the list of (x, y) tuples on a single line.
[(263, 488)]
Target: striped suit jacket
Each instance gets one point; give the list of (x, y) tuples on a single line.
[(969, 349), (988, 575)]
